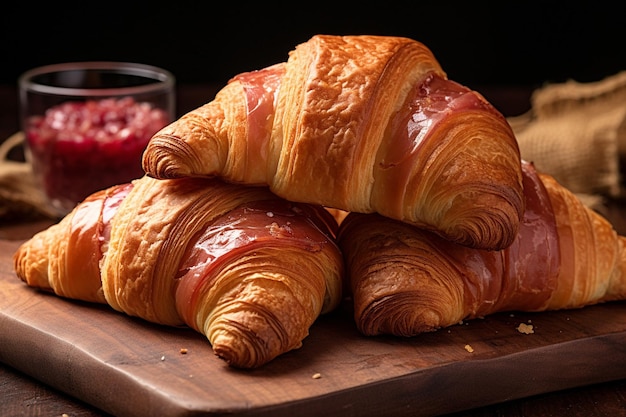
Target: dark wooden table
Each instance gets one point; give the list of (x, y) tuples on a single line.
[(21, 395)]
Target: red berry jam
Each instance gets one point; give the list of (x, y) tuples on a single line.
[(78, 148)]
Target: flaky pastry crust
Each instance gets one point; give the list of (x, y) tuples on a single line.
[(406, 281), (249, 270), (364, 124)]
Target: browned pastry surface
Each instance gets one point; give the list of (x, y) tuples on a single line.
[(406, 281), (247, 269), (358, 123)]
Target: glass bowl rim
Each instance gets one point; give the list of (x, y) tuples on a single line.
[(163, 79)]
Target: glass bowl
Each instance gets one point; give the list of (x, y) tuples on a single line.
[(86, 124)]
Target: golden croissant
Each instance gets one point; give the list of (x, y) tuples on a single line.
[(247, 269), (406, 281), (367, 124)]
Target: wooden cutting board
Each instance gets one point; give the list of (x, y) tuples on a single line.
[(128, 367)]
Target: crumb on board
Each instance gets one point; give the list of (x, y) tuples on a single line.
[(163, 358), (317, 376), (469, 348), (525, 328), (183, 351)]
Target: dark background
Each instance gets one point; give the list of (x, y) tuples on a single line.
[(478, 44)]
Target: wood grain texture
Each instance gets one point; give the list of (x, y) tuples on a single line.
[(24, 396), (127, 367)]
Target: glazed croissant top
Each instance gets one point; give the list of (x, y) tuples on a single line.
[(363, 124)]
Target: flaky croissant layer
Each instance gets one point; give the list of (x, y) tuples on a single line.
[(364, 124), (406, 281), (249, 270)]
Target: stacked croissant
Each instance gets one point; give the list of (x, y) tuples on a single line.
[(355, 167)]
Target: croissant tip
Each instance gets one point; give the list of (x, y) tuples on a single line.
[(167, 156), (234, 359), (243, 348)]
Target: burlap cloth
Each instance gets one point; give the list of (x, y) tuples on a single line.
[(577, 133), (573, 131), (20, 198)]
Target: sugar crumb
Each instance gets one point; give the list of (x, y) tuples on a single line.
[(525, 328), (317, 376)]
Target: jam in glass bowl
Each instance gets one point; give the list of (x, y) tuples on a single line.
[(87, 124)]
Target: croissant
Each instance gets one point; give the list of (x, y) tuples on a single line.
[(247, 269), (367, 124), (405, 281)]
